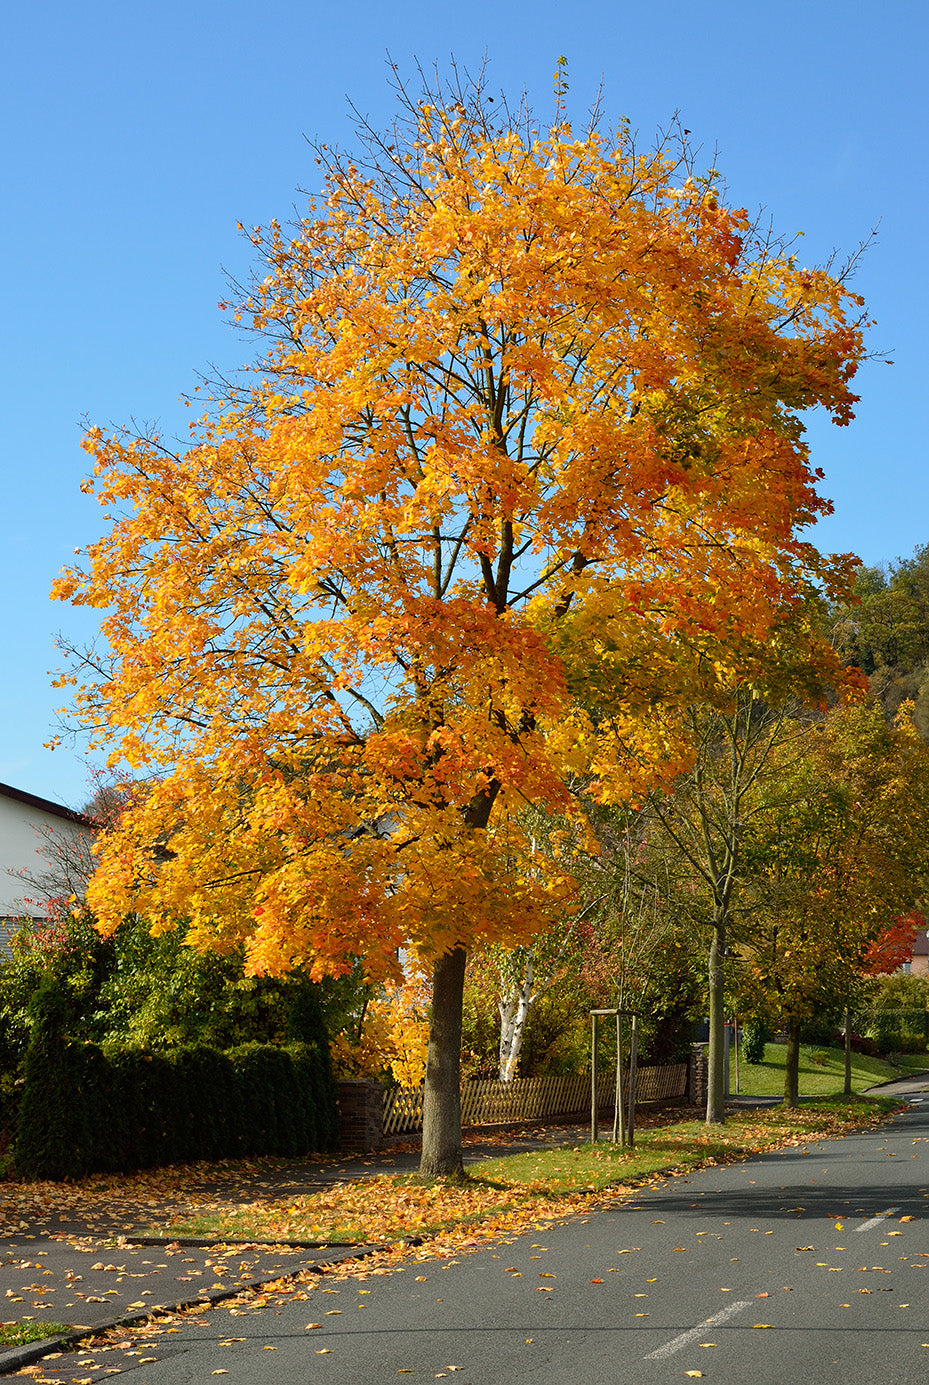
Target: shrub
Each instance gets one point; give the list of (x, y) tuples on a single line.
[(86, 1110), (754, 1038)]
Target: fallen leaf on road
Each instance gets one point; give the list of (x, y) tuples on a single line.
[(310, 1325), (693, 1372), (596, 1281), (762, 1324)]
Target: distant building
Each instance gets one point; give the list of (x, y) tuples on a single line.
[(44, 854), (919, 965)]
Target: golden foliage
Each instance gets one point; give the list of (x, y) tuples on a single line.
[(528, 423)]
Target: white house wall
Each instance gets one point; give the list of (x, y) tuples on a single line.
[(23, 846)]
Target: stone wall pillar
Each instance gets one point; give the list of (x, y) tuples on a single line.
[(361, 1115), (698, 1075)]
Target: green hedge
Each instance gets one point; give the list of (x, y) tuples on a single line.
[(85, 1110)]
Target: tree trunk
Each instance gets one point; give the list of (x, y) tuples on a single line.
[(716, 1086), (792, 1065), (514, 1011), (441, 1156), (847, 1089)]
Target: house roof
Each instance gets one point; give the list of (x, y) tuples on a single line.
[(45, 804)]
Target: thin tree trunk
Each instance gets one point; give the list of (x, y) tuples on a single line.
[(441, 1156), (715, 1087), (514, 1011), (792, 1065)]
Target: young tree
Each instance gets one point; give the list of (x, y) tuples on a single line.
[(529, 416), (705, 819), (836, 863)]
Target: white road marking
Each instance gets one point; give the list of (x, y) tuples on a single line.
[(677, 1343), (876, 1221)]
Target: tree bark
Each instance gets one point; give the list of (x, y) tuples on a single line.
[(441, 1155), (792, 1065), (514, 1011), (716, 1086)]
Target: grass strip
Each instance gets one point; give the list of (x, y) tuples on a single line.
[(515, 1191), (18, 1334)]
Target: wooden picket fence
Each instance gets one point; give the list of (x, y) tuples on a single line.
[(530, 1098)]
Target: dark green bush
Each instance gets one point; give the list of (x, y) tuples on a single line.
[(754, 1038), (87, 1110)]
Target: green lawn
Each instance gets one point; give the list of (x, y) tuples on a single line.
[(767, 1078)]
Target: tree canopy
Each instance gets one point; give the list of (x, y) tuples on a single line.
[(527, 423)]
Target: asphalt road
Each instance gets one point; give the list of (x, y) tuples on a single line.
[(811, 1265)]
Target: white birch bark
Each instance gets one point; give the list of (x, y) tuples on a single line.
[(514, 1006)]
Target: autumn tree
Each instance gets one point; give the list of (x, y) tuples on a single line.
[(704, 820), (528, 419), (884, 631), (835, 864)]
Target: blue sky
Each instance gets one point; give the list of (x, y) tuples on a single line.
[(137, 136)]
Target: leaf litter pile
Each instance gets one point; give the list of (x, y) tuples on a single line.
[(512, 1192)]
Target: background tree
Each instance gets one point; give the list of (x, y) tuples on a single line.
[(884, 631), (528, 419), (704, 820), (842, 855)]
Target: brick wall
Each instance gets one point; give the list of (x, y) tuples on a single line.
[(361, 1115)]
